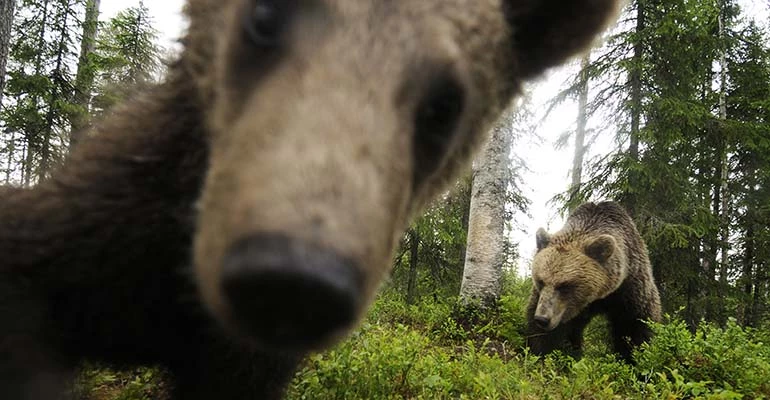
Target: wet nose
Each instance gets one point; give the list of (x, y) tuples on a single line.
[(287, 294), (542, 322)]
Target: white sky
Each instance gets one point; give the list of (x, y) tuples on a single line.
[(549, 168)]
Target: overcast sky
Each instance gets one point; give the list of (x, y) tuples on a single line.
[(549, 168)]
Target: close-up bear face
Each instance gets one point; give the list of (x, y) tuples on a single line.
[(353, 143), (331, 122)]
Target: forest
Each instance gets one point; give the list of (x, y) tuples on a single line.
[(673, 122)]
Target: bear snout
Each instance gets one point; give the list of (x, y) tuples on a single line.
[(542, 322), (288, 295)]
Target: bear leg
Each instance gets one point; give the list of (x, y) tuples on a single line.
[(628, 334), (567, 337)]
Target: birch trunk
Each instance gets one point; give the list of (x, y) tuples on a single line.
[(580, 134), (6, 24), (486, 222)]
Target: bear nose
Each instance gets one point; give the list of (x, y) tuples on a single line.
[(286, 294), (542, 322)]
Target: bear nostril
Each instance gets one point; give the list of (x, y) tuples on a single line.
[(542, 322), (287, 294)]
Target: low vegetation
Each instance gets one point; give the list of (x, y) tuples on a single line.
[(438, 350)]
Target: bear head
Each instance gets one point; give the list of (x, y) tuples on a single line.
[(330, 123), (572, 270)]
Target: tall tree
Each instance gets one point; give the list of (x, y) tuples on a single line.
[(127, 56), (39, 88), (724, 167), (86, 71), (748, 122), (7, 8), (485, 253), (580, 135)]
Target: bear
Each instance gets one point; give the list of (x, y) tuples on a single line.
[(596, 264), (242, 213)]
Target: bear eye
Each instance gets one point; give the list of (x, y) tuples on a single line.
[(436, 120), (566, 288), (539, 284), (264, 21)]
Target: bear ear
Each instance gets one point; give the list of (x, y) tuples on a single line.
[(601, 248), (547, 32), (542, 238)]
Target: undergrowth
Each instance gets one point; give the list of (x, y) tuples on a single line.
[(440, 350)]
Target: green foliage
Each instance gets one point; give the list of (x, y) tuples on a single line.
[(441, 233), (127, 54), (721, 360), (37, 103), (420, 351), (42, 98), (97, 383), (400, 362), (391, 360)]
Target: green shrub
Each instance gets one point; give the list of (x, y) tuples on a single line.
[(722, 360)]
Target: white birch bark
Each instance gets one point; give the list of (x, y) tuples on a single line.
[(486, 224)]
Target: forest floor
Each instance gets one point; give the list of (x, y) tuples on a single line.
[(422, 352)]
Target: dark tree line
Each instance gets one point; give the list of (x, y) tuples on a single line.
[(686, 86), (63, 66)]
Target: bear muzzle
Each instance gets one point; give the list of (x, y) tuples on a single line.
[(288, 295), (550, 310)]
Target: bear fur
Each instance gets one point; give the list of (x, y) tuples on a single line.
[(596, 264), (269, 174)]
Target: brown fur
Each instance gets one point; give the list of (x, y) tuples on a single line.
[(596, 264), (310, 137)]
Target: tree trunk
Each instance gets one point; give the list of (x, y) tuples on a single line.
[(9, 165), (747, 278), (466, 214), (760, 289), (635, 77), (710, 249), (580, 134), (486, 222), (414, 247), (7, 8), (56, 95), (84, 80), (32, 135), (724, 217)]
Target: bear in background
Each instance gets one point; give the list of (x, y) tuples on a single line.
[(243, 212), (596, 264)]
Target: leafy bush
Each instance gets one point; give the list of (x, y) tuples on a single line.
[(400, 362), (727, 360)]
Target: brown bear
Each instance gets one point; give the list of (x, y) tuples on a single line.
[(242, 213), (596, 264)]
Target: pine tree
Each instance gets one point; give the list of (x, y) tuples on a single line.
[(127, 56), (39, 88), (86, 70)]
